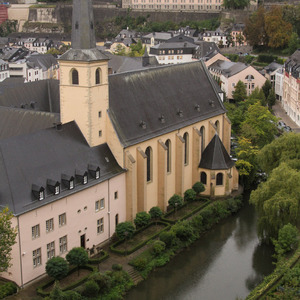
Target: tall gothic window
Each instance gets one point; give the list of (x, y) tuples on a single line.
[(148, 152), (202, 132), (203, 177), (217, 124), (186, 148), (168, 145), (98, 76), (219, 179), (75, 77)]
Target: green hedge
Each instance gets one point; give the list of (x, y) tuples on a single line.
[(7, 289), (140, 245), (40, 289), (164, 218), (95, 261)]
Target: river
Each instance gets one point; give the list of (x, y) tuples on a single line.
[(225, 264)]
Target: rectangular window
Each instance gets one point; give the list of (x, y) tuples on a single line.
[(102, 203), (99, 114), (63, 246), (49, 225), (100, 226), (37, 257), (116, 195), (50, 250), (35, 231), (100, 133), (97, 205), (62, 219)]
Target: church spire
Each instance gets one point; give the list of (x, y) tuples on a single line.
[(83, 31)]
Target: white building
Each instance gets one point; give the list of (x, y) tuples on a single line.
[(4, 70)]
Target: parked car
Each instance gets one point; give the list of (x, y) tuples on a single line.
[(287, 128), (281, 125)]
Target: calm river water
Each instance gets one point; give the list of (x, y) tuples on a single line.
[(225, 264)]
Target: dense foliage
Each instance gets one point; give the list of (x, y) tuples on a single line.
[(175, 201), (236, 4), (57, 267), (125, 230), (142, 219), (77, 257), (7, 240)]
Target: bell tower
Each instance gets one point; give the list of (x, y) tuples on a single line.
[(84, 78)]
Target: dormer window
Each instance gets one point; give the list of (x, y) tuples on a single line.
[(38, 192), (82, 176), (53, 186), (94, 171), (68, 181)]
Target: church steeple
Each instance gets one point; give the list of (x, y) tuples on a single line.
[(83, 31)]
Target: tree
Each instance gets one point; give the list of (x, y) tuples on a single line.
[(198, 187), (142, 219), (277, 201), (8, 236), (57, 267), (175, 201), (239, 94), (284, 149), (277, 30), (255, 28), (240, 39), (293, 43), (155, 213), (287, 239), (236, 4), (125, 230), (77, 257), (267, 86), (120, 50), (189, 195), (271, 98), (259, 125)]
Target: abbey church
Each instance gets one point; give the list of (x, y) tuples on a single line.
[(121, 144)]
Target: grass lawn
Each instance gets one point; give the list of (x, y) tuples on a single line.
[(140, 237), (181, 212)]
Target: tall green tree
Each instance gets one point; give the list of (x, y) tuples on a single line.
[(277, 201), (293, 43), (271, 98), (236, 4), (259, 125), (267, 86), (239, 94), (8, 236), (284, 149)]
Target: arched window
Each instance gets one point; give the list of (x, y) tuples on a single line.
[(217, 124), (219, 179), (148, 152), (98, 76), (168, 145), (186, 148), (117, 220), (202, 132), (249, 77), (203, 177), (75, 77)]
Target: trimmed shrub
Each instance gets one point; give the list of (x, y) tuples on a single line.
[(77, 257), (120, 277), (199, 187), (155, 212), (168, 237), (142, 219), (71, 295), (117, 267), (103, 281), (175, 200), (140, 264), (91, 289), (57, 267), (189, 195), (125, 230), (158, 247), (7, 289)]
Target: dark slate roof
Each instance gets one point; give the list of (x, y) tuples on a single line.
[(292, 65), (178, 45), (146, 96), (83, 55), (180, 38), (228, 68), (15, 121), (42, 95), (206, 49), (42, 61), (215, 156), (46, 155)]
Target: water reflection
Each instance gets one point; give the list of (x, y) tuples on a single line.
[(226, 263)]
